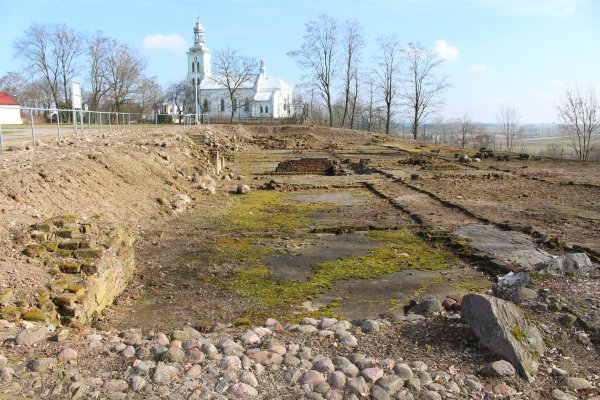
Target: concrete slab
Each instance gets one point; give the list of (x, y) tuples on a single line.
[(509, 247)]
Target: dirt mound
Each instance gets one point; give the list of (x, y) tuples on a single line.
[(111, 179)]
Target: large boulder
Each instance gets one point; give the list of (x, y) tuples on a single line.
[(502, 328), (569, 264)]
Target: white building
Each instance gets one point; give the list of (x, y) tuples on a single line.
[(10, 110), (262, 97)]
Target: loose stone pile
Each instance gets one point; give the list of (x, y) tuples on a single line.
[(188, 364)]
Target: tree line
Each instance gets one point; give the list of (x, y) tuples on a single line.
[(53, 55), (344, 88)]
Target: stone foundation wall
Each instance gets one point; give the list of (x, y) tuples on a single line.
[(322, 166), (91, 264)]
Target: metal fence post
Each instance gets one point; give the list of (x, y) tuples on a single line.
[(100, 116), (109, 123), (32, 127), (1, 139), (117, 120), (75, 123), (129, 121), (57, 123)]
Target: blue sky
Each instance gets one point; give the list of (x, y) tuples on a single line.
[(499, 52)]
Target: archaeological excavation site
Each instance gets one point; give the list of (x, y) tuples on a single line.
[(295, 262)]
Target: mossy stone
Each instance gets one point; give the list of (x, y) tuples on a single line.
[(97, 252), (10, 313), (78, 289), (40, 236), (67, 233), (35, 314), (70, 268), (64, 253), (69, 245), (52, 247)]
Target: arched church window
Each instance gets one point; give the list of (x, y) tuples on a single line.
[(198, 66), (193, 67), (261, 109), (222, 105), (205, 106), (267, 109), (193, 82), (247, 104), (234, 104)]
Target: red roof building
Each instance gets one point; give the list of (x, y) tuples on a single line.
[(10, 110), (7, 100)]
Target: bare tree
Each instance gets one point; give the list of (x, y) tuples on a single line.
[(68, 49), (35, 48), (508, 120), (232, 72), (466, 127), (318, 56), (352, 45), (54, 51), (122, 69), (150, 95), (354, 98), (579, 120), (387, 72), (180, 94), (424, 88), (13, 83), (97, 49), (369, 109)]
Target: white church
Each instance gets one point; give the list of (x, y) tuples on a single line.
[(262, 96)]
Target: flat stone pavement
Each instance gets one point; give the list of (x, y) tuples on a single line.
[(509, 247)]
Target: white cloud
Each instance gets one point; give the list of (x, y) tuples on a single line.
[(479, 68), (444, 51), (173, 43), (556, 83)]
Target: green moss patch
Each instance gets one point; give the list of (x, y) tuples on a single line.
[(267, 210), (393, 251)]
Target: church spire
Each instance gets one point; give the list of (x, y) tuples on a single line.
[(263, 69), (198, 33)]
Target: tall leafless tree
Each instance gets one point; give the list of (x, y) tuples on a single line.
[(35, 48), (233, 71), (387, 72), (424, 88), (318, 56), (466, 128), (579, 119), (352, 43), (509, 121), (69, 46), (122, 69), (150, 95), (97, 49), (53, 51)]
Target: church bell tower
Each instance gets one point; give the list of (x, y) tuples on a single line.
[(198, 57)]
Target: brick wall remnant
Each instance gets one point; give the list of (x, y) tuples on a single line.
[(92, 264), (321, 166)]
